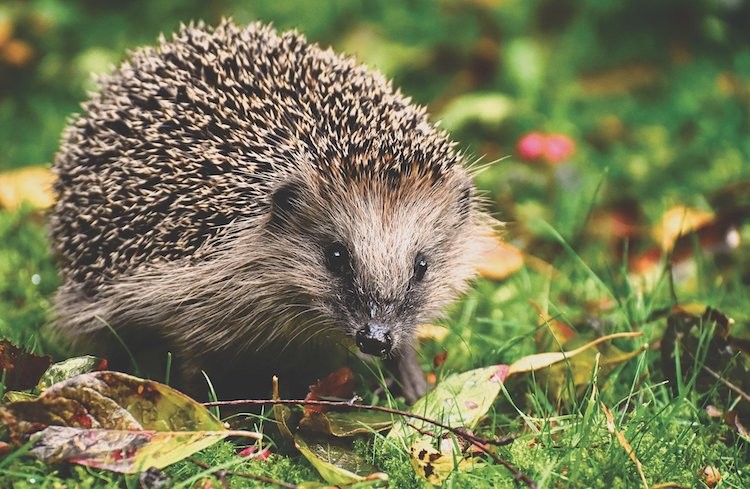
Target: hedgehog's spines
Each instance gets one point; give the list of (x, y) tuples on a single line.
[(189, 136)]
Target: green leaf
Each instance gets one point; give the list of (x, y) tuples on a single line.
[(344, 424), (336, 461), (57, 372), (459, 400), (489, 109)]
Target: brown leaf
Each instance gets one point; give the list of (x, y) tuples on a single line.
[(711, 476), (17, 52), (725, 361), (338, 384), (22, 369)]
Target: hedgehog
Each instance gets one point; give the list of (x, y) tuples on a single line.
[(257, 205)]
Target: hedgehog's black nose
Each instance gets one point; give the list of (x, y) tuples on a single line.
[(374, 339)]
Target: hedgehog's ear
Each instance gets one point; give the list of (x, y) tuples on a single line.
[(285, 200)]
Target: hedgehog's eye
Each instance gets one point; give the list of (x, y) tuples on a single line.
[(337, 257), (420, 267)]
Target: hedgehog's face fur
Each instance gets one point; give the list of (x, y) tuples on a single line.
[(378, 257)]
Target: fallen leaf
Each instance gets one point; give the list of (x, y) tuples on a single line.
[(114, 421), (32, 185), (432, 332), (499, 260), (726, 358), (542, 360), (439, 359), (339, 384), (459, 400), (436, 464), (22, 369), (346, 423), (679, 221), (17, 52), (123, 451), (336, 461), (711, 476), (57, 372)]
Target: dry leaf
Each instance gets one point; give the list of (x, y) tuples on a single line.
[(543, 360), (17, 52), (432, 332), (22, 369), (436, 464), (623, 443), (32, 185), (677, 222), (499, 260), (338, 384)]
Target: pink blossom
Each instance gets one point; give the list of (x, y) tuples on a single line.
[(532, 146), (550, 148), (559, 147)]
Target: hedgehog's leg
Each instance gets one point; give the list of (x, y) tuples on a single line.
[(409, 374)]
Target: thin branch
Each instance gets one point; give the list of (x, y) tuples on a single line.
[(730, 385)]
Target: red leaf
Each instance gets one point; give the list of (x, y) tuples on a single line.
[(338, 384), (22, 369)]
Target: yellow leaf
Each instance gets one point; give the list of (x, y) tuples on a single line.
[(32, 185), (543, 360), (677, 222), (432, 332), (499, 260), (433, 464)]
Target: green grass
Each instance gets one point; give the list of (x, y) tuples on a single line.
[(679, 136)]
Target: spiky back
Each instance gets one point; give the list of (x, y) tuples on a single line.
[(188, 138)]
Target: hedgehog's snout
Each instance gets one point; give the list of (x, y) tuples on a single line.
[(374, 338)]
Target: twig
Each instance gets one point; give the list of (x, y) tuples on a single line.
[(724, 381), (221, 475), (481, 443)]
